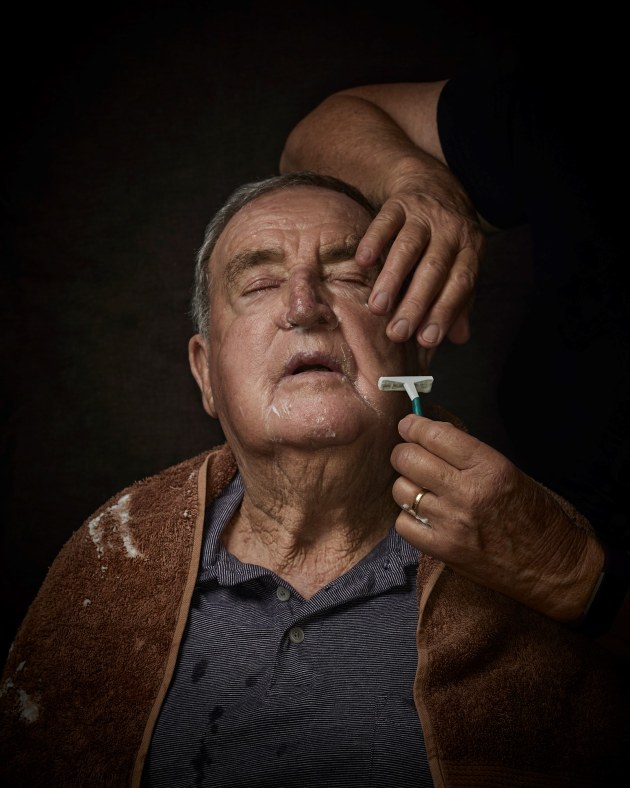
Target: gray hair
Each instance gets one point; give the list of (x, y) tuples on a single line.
[(200, 305)]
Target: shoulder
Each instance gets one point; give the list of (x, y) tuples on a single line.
[(176, 480), (139, 519)]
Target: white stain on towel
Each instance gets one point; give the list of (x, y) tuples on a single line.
[(8, 684), (29, 710), (120, 510)]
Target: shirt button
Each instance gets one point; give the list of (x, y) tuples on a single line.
[(296, 634), (283, 593)]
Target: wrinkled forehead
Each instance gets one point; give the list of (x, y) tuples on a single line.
[(292, 217)]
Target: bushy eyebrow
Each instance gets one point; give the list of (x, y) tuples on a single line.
[(249, 258), (339, 251), (336, 252)]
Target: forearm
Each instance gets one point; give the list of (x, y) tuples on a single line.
[(569, 563), (352, 137), (571, 570)]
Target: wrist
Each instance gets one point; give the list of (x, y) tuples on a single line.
[(418, 172), (607, 596)]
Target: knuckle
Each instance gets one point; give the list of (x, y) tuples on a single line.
[(398, 488), (438, 431), (445, 311), (392, 212), (391, 277), (407, 455), (465, 277), (438, 267), (456, 223), (409, 246), (411, 307), (502, 473)]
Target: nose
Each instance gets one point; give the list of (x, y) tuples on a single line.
[(307, 305)]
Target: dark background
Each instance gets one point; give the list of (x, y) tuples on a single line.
[(125, 127)]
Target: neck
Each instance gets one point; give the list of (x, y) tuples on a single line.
[(309, 517)]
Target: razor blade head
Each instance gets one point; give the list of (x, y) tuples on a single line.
[(422, 383)]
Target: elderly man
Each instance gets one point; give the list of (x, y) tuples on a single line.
[(315, 602)]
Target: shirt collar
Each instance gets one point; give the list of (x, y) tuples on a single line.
[(393, 553)]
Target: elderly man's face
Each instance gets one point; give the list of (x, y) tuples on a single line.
[(294, 354)]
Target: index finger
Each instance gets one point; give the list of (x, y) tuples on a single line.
[(391, 228), (442, 439), (380, 232)]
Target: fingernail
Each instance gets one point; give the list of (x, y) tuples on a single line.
[(431, 333), (401, 328), (404, 425), (381, 301)]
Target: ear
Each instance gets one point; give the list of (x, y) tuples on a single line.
[(199, 360)]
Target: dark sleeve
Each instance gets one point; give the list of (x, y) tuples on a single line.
[(539, 140), (530, 137), (477, 123)]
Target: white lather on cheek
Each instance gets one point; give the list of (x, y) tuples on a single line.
[(370, 404), (283, 411)]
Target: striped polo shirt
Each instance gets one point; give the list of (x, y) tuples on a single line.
[(273, 690)]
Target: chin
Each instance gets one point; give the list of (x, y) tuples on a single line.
[(317, 429)]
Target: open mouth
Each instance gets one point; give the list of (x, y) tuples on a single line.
[(312, 362), (312, 368)]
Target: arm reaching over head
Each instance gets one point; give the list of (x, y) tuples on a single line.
[(384, 139)]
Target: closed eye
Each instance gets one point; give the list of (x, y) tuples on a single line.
[(347, 272), (355, 280), (349, 281), (349, 285), (260, 285)]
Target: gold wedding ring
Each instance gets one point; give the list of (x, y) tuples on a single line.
[(416, 501)]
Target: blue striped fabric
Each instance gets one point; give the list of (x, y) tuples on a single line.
[(272, 690)]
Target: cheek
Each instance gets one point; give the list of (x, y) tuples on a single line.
[(239, 360), (370, 336), (237, 337)]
